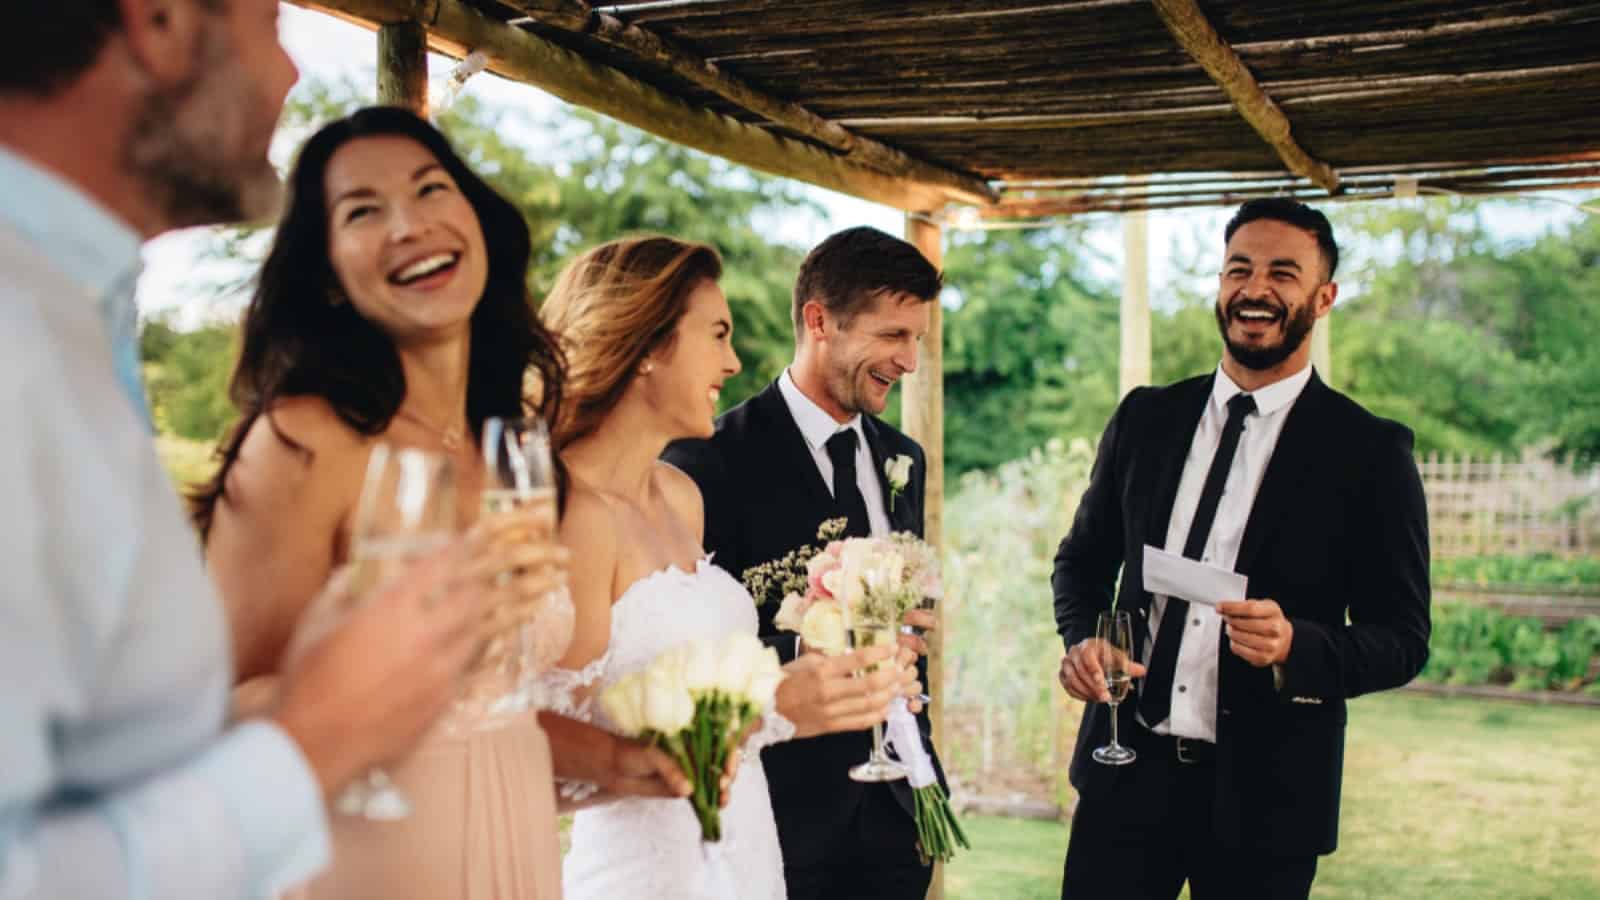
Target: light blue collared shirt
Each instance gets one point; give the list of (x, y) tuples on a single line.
[(117, 779), (76, 235)]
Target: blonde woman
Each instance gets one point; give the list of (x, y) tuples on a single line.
[(648, 336)]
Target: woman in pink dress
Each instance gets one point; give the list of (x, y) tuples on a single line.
[(393, 307)]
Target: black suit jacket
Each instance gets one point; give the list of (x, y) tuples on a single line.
[(763, 498), (1338, 528)]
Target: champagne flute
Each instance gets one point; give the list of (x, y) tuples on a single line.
[(407, 510), (519, 475), (1113, 633), (864, 633)]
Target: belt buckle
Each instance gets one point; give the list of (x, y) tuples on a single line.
[(1182, 745)]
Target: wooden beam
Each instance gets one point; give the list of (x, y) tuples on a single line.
[(1134, 321), (403, 66), (578, 17), (1200, 40), (922, 415), (456, 29)]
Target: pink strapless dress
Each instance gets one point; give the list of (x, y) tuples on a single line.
[(483, 821)]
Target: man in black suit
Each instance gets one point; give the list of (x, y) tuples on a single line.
[(808, 448), (1263, 469)]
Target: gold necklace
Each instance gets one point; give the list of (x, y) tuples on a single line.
[(450, 438)]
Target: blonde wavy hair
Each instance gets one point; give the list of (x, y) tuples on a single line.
[(612, 307)]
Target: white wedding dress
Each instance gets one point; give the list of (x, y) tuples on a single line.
[(646, 847)]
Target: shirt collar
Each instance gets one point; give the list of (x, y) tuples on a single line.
[(1269, 399), (75, 234), (816, 426)]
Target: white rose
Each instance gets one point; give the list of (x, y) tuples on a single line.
[(823, 628), (763, 687), (623, 704), (886, 574), (741, 654), (700, 666), (790, 612), (898, 470), (667, 706)]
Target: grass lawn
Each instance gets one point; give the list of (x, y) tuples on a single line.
[(1443, 798)]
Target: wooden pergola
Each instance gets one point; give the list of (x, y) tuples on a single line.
[(1004, 110)]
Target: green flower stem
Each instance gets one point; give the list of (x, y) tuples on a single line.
[(938, 832)]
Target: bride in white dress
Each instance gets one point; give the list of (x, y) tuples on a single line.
[(648, 336)]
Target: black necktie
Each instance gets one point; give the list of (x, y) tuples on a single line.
[(846, 494), (1155, 703)]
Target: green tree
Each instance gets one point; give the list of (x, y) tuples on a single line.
[(1030, 345)]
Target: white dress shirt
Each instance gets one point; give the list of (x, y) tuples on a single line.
[(816, 426), (1194, 688), (117, 779)]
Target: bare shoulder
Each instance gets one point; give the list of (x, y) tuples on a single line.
[(589, 525), (679, 489), (299, 450)]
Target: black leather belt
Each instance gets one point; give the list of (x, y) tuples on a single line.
[(1187, 751)]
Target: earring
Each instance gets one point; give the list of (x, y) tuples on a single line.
[(646, 368)]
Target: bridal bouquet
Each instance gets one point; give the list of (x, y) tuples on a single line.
[(837, 588), (694, 701)]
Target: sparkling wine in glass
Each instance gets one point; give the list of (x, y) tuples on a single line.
[(519, 476), (880, 766), (407, 510), (1114, 644)]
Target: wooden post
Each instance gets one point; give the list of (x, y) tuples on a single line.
[(403, 66), (1322, 348), (1135, 320), (922, 414)]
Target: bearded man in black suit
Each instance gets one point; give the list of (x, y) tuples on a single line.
[(807, 448), (1260, 468)]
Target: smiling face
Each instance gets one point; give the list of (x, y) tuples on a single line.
[(685, 378), (860, 362), (406, 245), (1272, 289)]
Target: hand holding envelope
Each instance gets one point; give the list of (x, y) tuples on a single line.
[(1257, 630)]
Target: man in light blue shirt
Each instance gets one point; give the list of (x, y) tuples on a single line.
[(119, 120)]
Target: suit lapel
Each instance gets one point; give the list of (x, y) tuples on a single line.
[(1289, 467), (898, 508), (1186, 413), (790, 451)]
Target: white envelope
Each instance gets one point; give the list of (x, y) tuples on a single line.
[(1191, 580)]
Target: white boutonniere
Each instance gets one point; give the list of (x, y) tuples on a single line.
[(898, 471)]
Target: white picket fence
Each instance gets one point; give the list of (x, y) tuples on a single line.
[(1510, 506)]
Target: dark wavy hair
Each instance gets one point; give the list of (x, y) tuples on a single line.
[(294, 342)]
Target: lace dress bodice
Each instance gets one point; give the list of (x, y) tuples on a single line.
[(638, 847)]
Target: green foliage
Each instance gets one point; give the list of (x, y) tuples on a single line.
[(1538, 569), (1001, 648), (1030, 345), (1478, 346), (1474, 644), (186, 375)]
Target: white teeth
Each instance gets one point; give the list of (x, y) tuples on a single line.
[(880, 379), (1256, 314), (713, 394), (425, 267)]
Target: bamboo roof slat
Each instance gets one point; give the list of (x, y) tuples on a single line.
[(954, 99)]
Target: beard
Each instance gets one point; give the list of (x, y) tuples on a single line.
[(1296, 325), (844, 384), (198, 148)]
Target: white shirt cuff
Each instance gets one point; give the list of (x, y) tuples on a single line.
[(268, 786)]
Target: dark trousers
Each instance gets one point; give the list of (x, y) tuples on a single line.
[(873, 858), (1147, 854)]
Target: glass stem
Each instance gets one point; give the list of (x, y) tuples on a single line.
[(877, 742), (1114, 741)]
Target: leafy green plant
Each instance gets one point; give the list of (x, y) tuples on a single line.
[(1533, 570), (1479, 645)]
